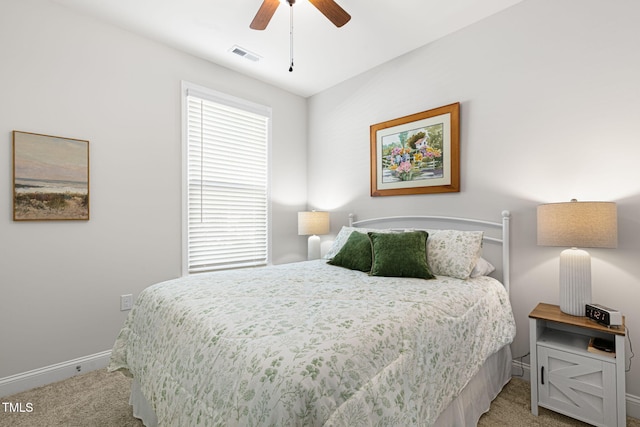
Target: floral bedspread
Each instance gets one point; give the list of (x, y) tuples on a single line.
[(309, 344)]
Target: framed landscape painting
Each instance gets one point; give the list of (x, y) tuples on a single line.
[(50, 178), (417, 154)]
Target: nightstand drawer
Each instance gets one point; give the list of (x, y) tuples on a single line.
[(579, 386)]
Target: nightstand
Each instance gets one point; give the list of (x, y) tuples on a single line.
[(569, 379)]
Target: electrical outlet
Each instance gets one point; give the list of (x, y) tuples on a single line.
[(126, 302)]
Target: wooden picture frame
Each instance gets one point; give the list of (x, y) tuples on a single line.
[(50, 178), (417, 154)]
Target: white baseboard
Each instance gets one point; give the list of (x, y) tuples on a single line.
[(523, 370), (633, 406), (53, 373)]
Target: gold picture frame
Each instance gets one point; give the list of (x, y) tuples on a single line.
[(50, 178), (417, 154)]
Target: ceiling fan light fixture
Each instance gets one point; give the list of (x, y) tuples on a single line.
[(329, 8)]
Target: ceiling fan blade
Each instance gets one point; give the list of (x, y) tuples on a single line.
[(266, 11), (332, 11)]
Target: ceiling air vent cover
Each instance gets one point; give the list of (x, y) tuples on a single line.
[(244, 53)]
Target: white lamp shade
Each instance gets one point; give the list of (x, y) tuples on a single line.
[(578, 224), (314, 222)]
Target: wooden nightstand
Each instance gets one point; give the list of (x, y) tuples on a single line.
[(567, 378)]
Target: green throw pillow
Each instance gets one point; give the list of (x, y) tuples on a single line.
[(400, 255), (355, 254)]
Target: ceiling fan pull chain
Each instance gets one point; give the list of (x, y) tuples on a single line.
[(291, 35)]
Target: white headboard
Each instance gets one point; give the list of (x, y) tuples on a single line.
[(496, 234)]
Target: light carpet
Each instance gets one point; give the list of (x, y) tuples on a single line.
[(99, 398)]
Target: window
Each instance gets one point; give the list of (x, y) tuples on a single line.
[(226, 161)]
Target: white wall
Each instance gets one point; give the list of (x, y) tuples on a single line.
[(550, 103), (67, 75)]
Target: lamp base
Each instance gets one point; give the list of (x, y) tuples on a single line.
[(313, 247), (575, 281)]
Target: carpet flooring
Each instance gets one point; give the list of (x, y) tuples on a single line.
[(101, 399)]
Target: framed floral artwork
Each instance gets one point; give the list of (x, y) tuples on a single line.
[(417, 154), (50, 178)]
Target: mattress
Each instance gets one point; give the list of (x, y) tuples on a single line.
[(310, 344)]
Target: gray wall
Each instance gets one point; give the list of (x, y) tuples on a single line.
[(66, 75), (550, 104)]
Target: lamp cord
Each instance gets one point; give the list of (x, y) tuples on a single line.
[(521, 367), (630, 348)]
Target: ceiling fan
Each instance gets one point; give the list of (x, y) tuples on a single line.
[(329, 8)]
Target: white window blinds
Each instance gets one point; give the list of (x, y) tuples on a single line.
[(227, 183)]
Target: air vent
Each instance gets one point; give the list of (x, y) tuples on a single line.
[(245, 53)]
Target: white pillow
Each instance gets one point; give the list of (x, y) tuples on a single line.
[(344, 234), (339, 242), (482, 268), (454, 253)]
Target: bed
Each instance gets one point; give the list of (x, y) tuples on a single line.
[(421, 338)]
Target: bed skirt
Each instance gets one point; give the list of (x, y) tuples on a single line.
[(475, 399), (465, 411)]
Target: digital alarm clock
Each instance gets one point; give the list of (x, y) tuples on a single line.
[(603, 315)]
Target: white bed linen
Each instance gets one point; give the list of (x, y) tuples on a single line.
[(475, 399), (310, 344), (464, 411)]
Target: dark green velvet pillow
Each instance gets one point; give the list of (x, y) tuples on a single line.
[(400, 255), (355, 254)]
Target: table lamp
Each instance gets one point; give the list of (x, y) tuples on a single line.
[(577, 224), (312, 224)]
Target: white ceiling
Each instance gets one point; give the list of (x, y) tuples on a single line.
[(324, 55)]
